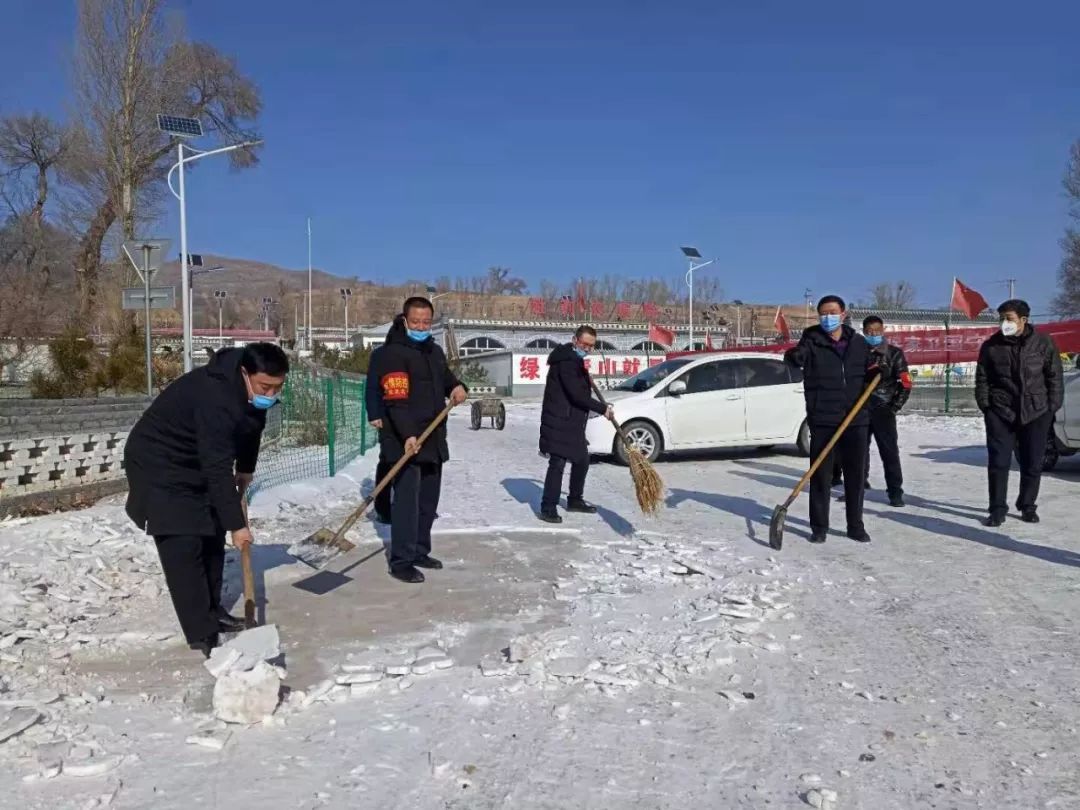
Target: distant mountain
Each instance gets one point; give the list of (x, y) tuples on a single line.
[(244, 278)]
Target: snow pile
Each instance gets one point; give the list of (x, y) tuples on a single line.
[(248, 686)]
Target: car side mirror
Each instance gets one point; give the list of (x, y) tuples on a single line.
[(677, 388)]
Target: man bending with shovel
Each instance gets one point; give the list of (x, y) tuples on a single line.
[(415, 383), (188, 461)]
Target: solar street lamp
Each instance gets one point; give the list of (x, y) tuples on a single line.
[(692, 254)]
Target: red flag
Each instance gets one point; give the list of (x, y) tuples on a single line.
[(598, 310), (650, 311), (622, 310), (708, 341), (581, 297), (780, 322), (967, 300), (536, 306), (658, 334)]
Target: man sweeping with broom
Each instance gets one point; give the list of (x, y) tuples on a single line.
[(568, 401)]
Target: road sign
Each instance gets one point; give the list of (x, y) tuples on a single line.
[(160, 298), (134, 249)]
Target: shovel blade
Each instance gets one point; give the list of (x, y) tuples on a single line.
[(318, 549), (776, 528)]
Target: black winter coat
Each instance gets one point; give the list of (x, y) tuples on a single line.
[(372, 391), (831, 384), (1019, 377), (182, 454), (568, 400), (895, 386), (415, 381)]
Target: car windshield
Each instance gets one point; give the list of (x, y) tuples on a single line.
[(651, 376)]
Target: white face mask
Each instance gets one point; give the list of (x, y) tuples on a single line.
[(1009, 328)]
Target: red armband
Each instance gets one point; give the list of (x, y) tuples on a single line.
[(905, 380), (395, 386)]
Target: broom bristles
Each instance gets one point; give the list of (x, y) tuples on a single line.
[(648, 485)]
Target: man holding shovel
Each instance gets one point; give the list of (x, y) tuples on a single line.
[(188, 461), (836, 362), (415, 382)]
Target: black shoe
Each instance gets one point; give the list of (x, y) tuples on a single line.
[(549, 517), (428, 562), (818, 536), (1029, 516), (860, 536), (897, 501), (230, 624), (379, 517), (580, 505), (410, 575), (994, 520), (207, 645)]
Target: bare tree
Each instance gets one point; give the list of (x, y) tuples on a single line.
[(129, 68), (888, 295), (31, 143), (1067, 301)]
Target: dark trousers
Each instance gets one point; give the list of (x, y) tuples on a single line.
[(1029, 442), (553, 481), (883, 430), (382, 500), (850, 454), (193, 567), (416, 499)]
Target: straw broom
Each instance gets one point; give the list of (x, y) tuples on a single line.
[(648, 486)]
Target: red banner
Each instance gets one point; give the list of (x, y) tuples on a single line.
[(936, 347)]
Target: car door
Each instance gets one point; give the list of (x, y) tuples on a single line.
[(1071, 408), (775, 407), (710, 412)]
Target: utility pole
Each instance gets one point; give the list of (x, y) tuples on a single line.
[(221, 295), (267, 304), (346, 294), (809, 299), (310, 344)]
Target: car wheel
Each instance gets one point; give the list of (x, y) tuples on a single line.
[(803, 441), (644, 437)]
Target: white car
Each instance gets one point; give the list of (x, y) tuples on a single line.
[(1065, 437), (736, 399)]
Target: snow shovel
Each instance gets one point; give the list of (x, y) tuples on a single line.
[(320, 548), (779, 515)]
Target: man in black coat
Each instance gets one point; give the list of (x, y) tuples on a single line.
[(376, 415), (1019, 387), (885, 403), (188, 461), (415, 382), (568, 401), (836, 363)]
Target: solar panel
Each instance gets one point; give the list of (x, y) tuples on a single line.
[(691, 253), (184, 127)]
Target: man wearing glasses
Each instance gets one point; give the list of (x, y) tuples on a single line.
[(568, 401)]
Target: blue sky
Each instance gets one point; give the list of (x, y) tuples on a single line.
[(825, 145)]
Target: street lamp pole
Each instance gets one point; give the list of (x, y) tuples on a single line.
[(310, 344), (188, 127), (346, 294), (692, 253), (221, 295)]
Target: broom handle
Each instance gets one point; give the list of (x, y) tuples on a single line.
[(832, 442), (390, 476), (600, 397)]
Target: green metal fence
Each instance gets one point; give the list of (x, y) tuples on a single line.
[(319, 427), (932, 394)]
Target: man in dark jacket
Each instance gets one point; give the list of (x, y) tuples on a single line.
[(568, 401), (1019, 387), (188, 461), (886, 402), (415, 383), (836, 363), (376, 415)]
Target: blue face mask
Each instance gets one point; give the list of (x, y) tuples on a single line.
[(830, 323), (261, 402), (419, 335), (875, 340), (580, 353)]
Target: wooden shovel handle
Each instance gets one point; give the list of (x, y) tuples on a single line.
[(835, 438), (249, 577), (390, 476)]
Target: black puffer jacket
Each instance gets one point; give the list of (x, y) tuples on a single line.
[(832, 384), (181, 456), (415, 380), (568, 400), (1019, 377), (895, 386)]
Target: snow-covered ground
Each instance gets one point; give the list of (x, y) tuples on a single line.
[(653, 663)]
